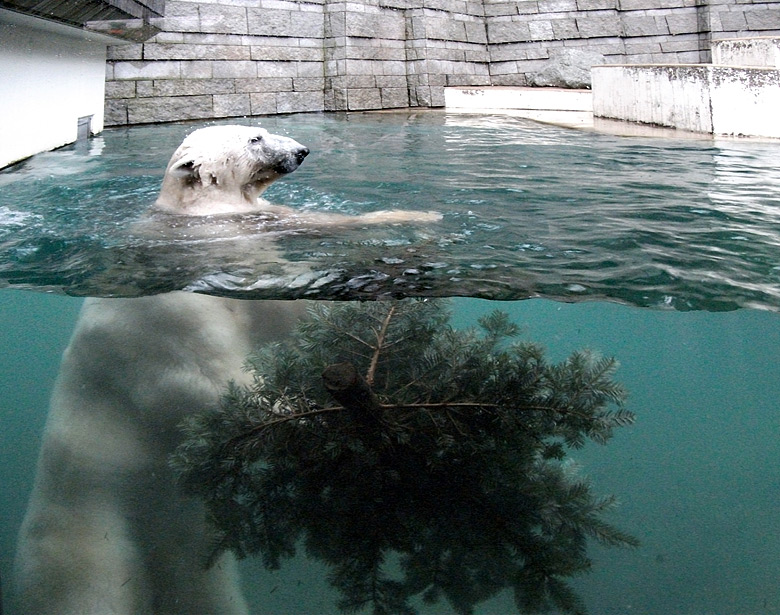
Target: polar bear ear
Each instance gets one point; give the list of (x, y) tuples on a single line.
[(186, 169)]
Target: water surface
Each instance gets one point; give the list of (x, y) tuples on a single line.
[(529, 211)]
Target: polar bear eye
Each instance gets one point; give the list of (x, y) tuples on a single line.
[(257, 139)]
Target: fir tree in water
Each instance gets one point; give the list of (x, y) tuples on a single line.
[(381, 438)]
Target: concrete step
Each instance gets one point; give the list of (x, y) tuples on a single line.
[(553, 105)]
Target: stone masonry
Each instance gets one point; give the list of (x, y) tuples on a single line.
[(229, 58)]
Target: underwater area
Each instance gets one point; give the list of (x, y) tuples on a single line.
[(661, 253)]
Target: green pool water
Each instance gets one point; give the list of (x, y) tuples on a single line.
[(674, 249)]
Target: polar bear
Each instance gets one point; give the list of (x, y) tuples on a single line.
[(215, 171), (224, 169), (106, 531)]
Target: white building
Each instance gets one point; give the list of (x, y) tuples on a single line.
[(53, 62)]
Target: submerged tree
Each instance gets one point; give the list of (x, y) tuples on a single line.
[(412, 458)]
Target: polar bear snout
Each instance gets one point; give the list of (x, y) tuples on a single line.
[(286, 153), (293, 160), (301, 154)]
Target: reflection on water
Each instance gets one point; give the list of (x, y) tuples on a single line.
[(529, 210)]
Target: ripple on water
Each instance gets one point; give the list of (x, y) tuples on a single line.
[(529, 210)]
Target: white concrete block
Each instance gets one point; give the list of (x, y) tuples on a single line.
[(539, 99), (745, 101), (676, 95), (759, 51), (564, 107), (700, 98), (51, 78)]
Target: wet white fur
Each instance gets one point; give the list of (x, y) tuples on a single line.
[(107, 532), (224, 169)]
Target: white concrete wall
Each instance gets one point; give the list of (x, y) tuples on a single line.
[(759, 51), (502, 98), (701, 98), (666, 95), (745, 101), (565, 107), (51, 76)]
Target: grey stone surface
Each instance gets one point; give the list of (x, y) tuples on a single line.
[(168, 51), (197, 69), (364, 98), (508, 32), (763, 19), (297, 24), (592, 5), (299, 102), (264, 84), (120, 89), (125, 52), (393, 98), (564, 28), (494, 9), (184, 87), (309, 84), (597, 24), (276, 53), (566, 68), (637, 23), (222, 18), (182, 24), (231, 105), (541, 30), (556, 6), (235, 69), (249, 57), (164, 109), (115, 112), (732, 20), (683, 22), (387, 24), (262, 103), (147, 70)]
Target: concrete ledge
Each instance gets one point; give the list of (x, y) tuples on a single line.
[(537, 99), (762, 52), (551, 105), (129, 20), (721, 100)]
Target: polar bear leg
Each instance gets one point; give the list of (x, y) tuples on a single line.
[(78, 562), (87, 562), (107, 532), (178, 546)]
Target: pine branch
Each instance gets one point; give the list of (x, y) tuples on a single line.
[(380, 342), (451, 452)]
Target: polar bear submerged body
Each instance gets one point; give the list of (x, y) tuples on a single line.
[(107, 532)]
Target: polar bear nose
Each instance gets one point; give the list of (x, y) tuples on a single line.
[(292, 159), (301, 154)]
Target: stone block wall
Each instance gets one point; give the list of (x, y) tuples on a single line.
[(221, 59), (257, 57), (227, 58), (524, 34)]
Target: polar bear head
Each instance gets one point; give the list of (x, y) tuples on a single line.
[(224, 169)]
